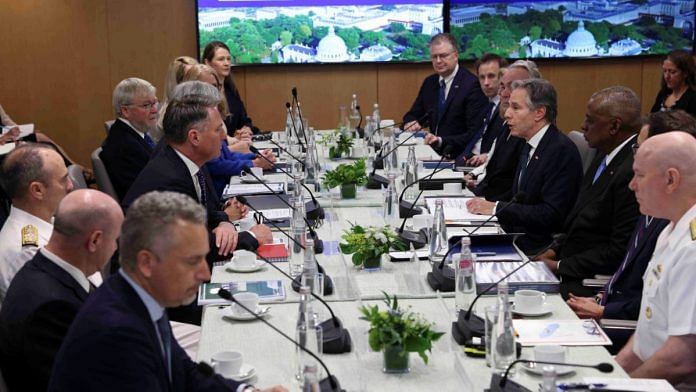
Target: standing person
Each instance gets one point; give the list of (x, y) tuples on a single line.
[(678, 84)]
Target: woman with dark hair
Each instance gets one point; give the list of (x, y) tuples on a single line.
[(678, 83), (217, 55)]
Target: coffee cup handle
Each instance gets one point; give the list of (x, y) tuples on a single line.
[(213, 364), (543, 298)]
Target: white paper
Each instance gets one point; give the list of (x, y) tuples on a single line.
[(24, 129), (560, 332), (277, 213), (631, 384), (7, 147), (252, 189), (455, 209)]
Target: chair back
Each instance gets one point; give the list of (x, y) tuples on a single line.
[(102, 176), (587, 153), (77, 176), (108, 124)]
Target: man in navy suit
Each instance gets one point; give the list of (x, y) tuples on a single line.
[(128, 145), (121, 339), (49, 290), (601, 222), (548, 173), (452, 97)]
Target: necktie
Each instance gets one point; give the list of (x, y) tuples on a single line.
[(441, 100), (149, 141), (165, 332), (477, 136), (632, 247), (600, 170), (201, 181), (92, 288), (522, 164)]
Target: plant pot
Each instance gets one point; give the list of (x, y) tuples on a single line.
[(348, 191), (396, 360), (373, 263)]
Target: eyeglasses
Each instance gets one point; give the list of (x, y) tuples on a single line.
[(146, 106), (634, 147), (442, 56)]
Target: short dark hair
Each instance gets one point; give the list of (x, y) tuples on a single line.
[(489, 57), (670, 120), (540, 92), (23, 166), (188, 108), (444, 37), (620, 102)]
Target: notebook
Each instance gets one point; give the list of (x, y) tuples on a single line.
[(273, 252)]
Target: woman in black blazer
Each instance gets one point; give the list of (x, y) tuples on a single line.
[(678, 83)]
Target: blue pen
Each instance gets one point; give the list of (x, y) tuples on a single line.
[(579, 385)]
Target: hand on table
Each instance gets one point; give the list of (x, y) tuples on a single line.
[(263, 234), (480, 206), (241, 146), (412, 126), (585, 307), (477, 160), (431, 139), (235, 210), (264, 163), (225, 238), (243, 133)]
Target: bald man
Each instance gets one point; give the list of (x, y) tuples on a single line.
[(48, 291), (665, 186)]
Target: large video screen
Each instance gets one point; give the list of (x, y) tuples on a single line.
[(321, 31), (582, 28)]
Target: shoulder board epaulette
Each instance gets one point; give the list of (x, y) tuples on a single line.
[(30, 236)]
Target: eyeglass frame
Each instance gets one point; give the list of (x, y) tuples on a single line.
[(146, 106), (435, 57)]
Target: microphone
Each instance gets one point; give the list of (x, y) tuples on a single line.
[(299, 113), (328, 384), (441, 278), (336, 339), (316, 212), (469, 325), (294, 128), (496, 385), (285, 151)]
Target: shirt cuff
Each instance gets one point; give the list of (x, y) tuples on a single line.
[(251, 233)]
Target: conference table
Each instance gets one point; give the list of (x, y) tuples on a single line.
[(449, 369)]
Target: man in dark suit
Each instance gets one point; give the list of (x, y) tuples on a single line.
[(128, 145), (549, 169), (49, 290), (600, 224), (121, 339), (452, 97)]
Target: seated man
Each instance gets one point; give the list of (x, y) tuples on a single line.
[(121, 339), (664, 182), (36, 180), (599, 225), (128, 146), (49, 290), (452, 99), (548, 173)]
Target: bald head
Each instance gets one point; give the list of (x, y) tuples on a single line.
[(672, 150), (84, 211)]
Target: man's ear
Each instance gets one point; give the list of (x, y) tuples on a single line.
[(94, 241), (37, 190), (194, 136), (145, 262)]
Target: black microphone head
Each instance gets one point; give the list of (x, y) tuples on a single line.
[(520, 197), (287, 105), (254, 150), (241, 199), (357, 107), (225, 294), (294, 92), (605, 367)]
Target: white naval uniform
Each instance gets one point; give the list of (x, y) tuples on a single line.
[(668, 304), (12, 254)]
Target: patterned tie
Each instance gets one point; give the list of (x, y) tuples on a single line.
[(165, 332), (477, 136), (201, 181), (441, 100), (522, 164), (600, 170), (632, 247), (149, 141)]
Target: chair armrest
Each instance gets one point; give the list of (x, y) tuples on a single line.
[(603, 277), (594, 282), (618, 324)]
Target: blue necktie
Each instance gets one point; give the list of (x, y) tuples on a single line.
[(477, 136), (201, 181), (149, 141), (522, 164), (441, 100), (165, 332), (600, 170)]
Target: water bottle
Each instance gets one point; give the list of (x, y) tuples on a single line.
[(391, 202), (308, 333), (375, 114), (344, 121), (298, 228), (311, 379), (354, 113), (465, 280), (310, 271), (437, 246), (391, 162), (503, 343), (411, 174), (369, 129), (311, 165)]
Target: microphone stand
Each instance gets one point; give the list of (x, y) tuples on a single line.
[(498, 383), (294, 128), (285, 151), (299, 113), (329, 384), (336, 339)]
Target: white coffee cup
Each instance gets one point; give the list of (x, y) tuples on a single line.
[(530, 301), (422, 221), (257, 171), (453, 187), (246, 299), (246, 223), (550, 353), (244, 259), (227, 363), (358, 151)]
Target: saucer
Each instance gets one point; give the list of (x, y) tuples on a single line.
[(251, 180), (228, 313), (246, 372), (545, 309), (537, 368), (258, 264)]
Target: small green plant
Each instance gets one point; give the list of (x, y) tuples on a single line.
[(342, 146), (369, 242), (346, 173), (398, 327)]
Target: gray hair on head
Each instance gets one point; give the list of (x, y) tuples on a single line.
[(529, 65), (150, 220), (540, 93), (127, 89), (622, 103), (188, 108)]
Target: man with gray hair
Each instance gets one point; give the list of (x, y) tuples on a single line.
[(128, 145), (36, 180), (46, 294), (601, 222), (548, 172), (121, 339)]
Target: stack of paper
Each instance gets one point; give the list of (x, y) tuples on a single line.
[(560, 332), (455, 209)]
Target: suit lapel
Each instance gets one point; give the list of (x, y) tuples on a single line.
[(181, 167), (536, 160), (61, 275), (454, 89)]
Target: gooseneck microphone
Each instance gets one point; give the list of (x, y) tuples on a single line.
[(406, 209), (603, 367), (328, 384), (294, 128), (470, 325), (314, 213), (299, 113), (336, 339), (285, 150)]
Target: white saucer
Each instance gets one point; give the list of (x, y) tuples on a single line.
[(246, 372), (228, 313), (258, 264), (545, 309), (251, 180), (537, 369)]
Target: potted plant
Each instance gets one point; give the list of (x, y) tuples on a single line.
[(347, 176), (397, 333), (342, 146), (368, 244)]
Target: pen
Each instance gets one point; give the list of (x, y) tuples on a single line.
[(484, 254), (579, 385)]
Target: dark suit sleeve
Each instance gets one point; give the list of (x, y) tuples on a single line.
[(418, 109), (605, 259), (475, 105), (658, 103), (247, 241), (626, 309)]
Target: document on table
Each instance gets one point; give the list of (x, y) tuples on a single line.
[(232, 190), (24, 129), (631, 384), (560, 332), (455, 209), (277, 213)]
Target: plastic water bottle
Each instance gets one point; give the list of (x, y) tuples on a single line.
[(308, 334), (503, 344), (311, 165), (298, 228), (391, 202), (437, 246), (411, 174), (375, 114), (354, 114), (311, 379), (465, 280), (310, 271)]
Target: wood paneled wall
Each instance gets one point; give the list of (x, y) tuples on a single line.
[(61, 58)]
